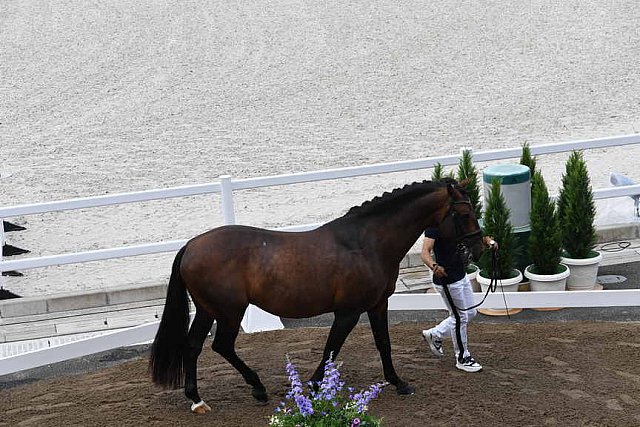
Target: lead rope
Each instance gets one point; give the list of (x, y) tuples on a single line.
[(455, 310), (493, 284), (494, 280)]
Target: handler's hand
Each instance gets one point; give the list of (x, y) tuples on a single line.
[(488, 240), (439, 271)]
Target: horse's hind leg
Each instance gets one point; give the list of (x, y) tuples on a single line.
[(378, 318), (197, 334), (343, 324), (224, 344)]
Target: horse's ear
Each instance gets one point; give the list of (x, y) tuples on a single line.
[(464, 183), (451, 189)]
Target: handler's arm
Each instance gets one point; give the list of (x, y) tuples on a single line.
[(425, 254)]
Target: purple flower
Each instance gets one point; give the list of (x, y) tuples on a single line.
[(304, 404), (330, 384), (362, 399), (328, 400)]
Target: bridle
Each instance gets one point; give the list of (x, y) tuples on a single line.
[(461, 236)]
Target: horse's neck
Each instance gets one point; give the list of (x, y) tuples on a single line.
[(401, 232), (394, 234)]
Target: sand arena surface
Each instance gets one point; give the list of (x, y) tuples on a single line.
[(551, 374), (107, 97)]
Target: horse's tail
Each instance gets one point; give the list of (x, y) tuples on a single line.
[(167, 350)]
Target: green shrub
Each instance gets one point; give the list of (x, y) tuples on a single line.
[(528, 160), (545, 240), (437, 175), (466, 170), (576, 209), (497, 225)]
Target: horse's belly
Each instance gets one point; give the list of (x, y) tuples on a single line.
[(297, 302), (294, 306)]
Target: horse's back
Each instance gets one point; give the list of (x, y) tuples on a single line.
[(229, 239), (291, 274)]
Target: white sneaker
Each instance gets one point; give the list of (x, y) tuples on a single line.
[(435, 343), (468, 364)]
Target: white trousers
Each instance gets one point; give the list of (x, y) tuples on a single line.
[(461, 294)]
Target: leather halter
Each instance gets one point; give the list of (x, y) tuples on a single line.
[(460, 234)]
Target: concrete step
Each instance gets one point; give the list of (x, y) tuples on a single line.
[(70, 322), (31, 306), (80, 312)]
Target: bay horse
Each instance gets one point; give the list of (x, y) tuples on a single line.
[(347, 266)]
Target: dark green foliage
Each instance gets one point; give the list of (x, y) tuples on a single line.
[(576, 209), (497, 225), (545, 240), (528, 160), (466, 170), (437, 175)]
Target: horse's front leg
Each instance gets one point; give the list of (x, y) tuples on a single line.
[(343, 324), (197, 334), (378, 319)]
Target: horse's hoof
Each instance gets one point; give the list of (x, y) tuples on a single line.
[(260, 394), (200, 408), (405, 389)]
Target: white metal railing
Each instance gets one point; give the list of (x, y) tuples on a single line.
[(146, 332)]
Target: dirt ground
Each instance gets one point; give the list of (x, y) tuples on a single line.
[(569, 374)]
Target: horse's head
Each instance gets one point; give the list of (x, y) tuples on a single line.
[(460, 224)]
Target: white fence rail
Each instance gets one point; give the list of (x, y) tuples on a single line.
[(146, 332), (255, 319)]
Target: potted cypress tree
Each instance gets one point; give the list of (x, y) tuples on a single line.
[(467, 171), (528, 160), (576, 211), (438, 172), (546, 273), (498, 225)]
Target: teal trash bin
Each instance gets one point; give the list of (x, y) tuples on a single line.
[(515, 186)]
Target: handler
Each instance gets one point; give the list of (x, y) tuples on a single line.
[(453, 285)]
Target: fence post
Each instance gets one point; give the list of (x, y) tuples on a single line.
[(2, 279), (228, 208), (255, 319)]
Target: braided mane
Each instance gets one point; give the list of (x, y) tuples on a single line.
[(389, 201)]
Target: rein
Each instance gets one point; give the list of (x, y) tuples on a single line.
[(493, 284), (462, 248)]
